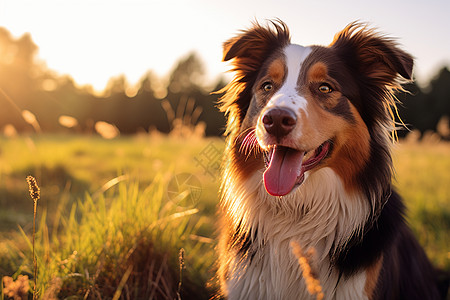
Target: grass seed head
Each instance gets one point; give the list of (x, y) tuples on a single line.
[(181, 258), (312, 282), (35, 192)]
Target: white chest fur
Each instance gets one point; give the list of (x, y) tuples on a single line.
[(318, 215)]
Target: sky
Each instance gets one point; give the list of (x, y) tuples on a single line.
[(94, 40)]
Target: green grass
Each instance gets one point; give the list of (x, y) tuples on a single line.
[(423, 179), (72, 166), (79, 198), (130, 238), (112, 224)]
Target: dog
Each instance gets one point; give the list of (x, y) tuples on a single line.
[(306, 194)]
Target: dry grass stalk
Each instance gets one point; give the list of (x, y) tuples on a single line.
[(182, 266), (35, 194), (312, 283), (122, 283)]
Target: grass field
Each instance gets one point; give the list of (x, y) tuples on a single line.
[(110, 208)]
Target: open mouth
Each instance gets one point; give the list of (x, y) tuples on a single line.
[(286, 167)]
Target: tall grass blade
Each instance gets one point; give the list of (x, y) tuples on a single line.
[(122, 283)]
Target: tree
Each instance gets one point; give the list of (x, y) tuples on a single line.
[(440, 95), (187, 75), (422, 109)]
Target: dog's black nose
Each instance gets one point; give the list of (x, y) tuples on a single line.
[(279, 122)]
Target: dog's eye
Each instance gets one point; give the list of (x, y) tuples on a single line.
[(267, 86), (325, 88)]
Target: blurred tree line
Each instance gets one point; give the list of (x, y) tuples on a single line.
[(58, 104)]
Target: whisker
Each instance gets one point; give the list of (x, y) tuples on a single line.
[(249, 143), (256, 146), (245, 132)]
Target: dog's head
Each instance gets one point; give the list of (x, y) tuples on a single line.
[(310, 107)]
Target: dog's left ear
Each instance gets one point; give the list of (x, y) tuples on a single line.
[(378, 57)]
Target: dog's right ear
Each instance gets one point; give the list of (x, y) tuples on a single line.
[(250, 48)]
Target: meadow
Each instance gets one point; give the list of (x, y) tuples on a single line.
[(114, 215)]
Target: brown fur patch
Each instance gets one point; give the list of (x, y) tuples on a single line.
[(317, 126), (332, 101), (351, 151), (372, 274), (318, 72), (277, 71)]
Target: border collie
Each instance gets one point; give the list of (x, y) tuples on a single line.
[(308, 167)]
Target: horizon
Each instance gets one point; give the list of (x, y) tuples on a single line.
[(78, 39)]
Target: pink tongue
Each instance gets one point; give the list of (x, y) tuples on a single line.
[(285, 167)]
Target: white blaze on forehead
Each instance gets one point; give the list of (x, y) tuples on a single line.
[(288, 96)]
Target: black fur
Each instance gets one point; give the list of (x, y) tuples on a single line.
[(406, 272), (243, 243)]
